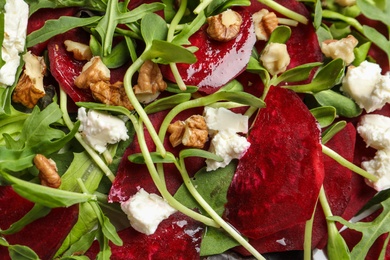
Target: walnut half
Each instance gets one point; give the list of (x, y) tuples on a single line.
[(224, 26), (265, 23), (111, 94), (47, 171), (80, 51), (29, 88), (93, 71), (192, 132)]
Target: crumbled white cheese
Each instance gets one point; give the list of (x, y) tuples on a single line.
[(375, 131), (220, 119), (275, 58), (228, 145), (100, 129), (366, 85), (342, 49), (380, 167), (15, 29), (145, 211)]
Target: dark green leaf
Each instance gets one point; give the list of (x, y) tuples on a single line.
[(376, 200), (118, 56), (55, 27), (218, 6), (174, 88), (296, 74), (324, 115), (199, 153), (97, 5), (189, 29), (344, 106), (376, 37), (167, 103), (281, 34), (169, 53), (331, 131), (156, 158)]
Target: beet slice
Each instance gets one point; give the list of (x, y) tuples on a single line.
[(277, 181), (44, 235), (38, 19), (177, 236), (64, 67), (217, 62)]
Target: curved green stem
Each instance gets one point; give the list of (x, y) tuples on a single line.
[(161, 186), (137, 106), (202, 6), (95, 157), (335, 156), (228, 228), (284, 11)]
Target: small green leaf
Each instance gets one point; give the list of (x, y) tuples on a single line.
[(56, 27), (109, 231), (332, 131), (379, 39), (19, 252), (281, 34), (199, 153), (153, 27), (324, 115), (361, 53), (169, 53), (3, 242), (344, 106), (296, 74), (118, 56), (378, 10)]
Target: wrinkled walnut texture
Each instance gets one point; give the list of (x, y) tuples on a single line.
[(111, 94), (224, 26), (47, 171)]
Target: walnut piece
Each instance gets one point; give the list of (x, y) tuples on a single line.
[(150, 82), (29, 88), (93, 71), (111, 94), (275, 58), (192, 132), (265, 23), (80, 51), (177, 131), (342, 48), (47, 171), (224, 26)]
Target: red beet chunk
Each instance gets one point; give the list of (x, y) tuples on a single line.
[(44, 235), (64, 67), (217, 62), (277, 181), (177, 237), (38, 19)]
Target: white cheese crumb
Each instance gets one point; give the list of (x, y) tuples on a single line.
[(100, 129), (145, 211), (366, 85), (15, 30), (375, 131), (220, 119), (228, 145)]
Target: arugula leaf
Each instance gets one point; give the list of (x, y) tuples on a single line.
[(370, 231), (96, 5), (213, 188), (56, 27)]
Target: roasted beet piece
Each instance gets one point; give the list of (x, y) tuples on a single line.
[(177, 237), (44, 235), (64, 67), (277, 181), (38, 19), (217, 62)]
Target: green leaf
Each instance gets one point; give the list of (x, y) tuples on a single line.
[(324, 115), (2, 24), (97, 5), (376, 37), (378, 10), (361, 53), (109, 231), (153, 27), (213, 187), (317, 14), (189, 29), (38, 211), (3, 242), (344, 106), (169, 53), (281, 34), (56, 27), (19, 252), (332, 131), (118, 56), (199, 153), (327, 77), (218, 6), (296, 74), (370, 230)]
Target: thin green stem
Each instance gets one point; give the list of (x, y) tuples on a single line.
[(137, 106), (327, 14), (95, 157), (335, 156), (202, 6), (284, 11), (161, 186), (228, 228)]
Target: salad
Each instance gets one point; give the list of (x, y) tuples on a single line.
[(225, 129)]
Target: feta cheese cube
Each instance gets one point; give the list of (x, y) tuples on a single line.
[(375, 130), (145, 211), (15, 30), (100, 129), (380, 167), (366, 85), (220, 119)]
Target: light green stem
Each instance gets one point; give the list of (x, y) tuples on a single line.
[(95, 157), (327, 14), (335, 156), (203, 5), (284, 11)]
